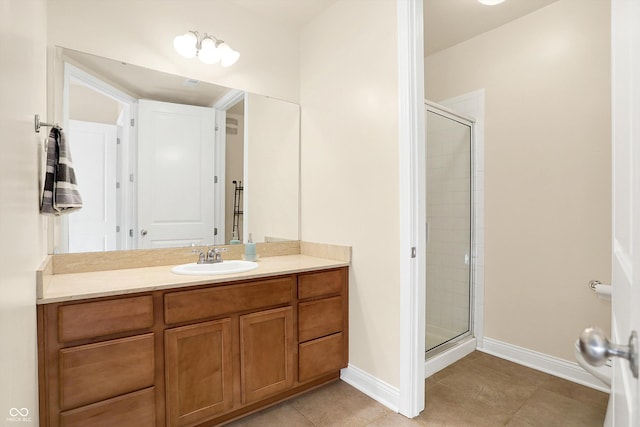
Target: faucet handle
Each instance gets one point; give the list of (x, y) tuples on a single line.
[(202, 257), (215, 254)]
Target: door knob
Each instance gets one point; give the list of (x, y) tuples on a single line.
[(143, 232), (596, 349)]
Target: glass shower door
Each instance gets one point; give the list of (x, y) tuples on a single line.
[(449, 214)]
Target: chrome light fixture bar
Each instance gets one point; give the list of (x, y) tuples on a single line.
[(208, 49)]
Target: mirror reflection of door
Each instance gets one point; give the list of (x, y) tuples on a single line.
[(93, 228), (95, 123), (176, 175)]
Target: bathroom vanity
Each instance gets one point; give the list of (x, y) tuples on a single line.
[(198, 352)]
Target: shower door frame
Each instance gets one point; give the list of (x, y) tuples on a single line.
[(448, 113)]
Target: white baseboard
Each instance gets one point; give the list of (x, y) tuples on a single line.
[(389, 396), (452, 355), (376, 389), (542, 362)]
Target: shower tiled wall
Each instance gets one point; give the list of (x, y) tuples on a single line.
[(449, 254), (471, 104)]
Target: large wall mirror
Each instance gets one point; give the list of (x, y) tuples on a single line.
[(167, 161)]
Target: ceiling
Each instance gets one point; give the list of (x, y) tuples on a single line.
[(145, 83), (295, 13), (447, 23)]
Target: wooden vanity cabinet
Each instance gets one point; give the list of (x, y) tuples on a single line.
[(267, 348), (198, 372), (256, 324), (97, 363), (322, 323), (201, 356)]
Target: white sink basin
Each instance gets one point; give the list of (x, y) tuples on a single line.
[(224, 267)]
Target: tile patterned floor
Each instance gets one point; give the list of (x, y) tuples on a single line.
[(479, 390)]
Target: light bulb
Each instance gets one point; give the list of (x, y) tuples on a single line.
[(490, 2), (185, 45), (228, 56), (208, 53)]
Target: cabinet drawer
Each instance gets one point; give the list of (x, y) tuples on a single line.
[(101, 318), (198, 304), (132, 410), (321, 356), (319, 318), (95, 372), (321, 284)]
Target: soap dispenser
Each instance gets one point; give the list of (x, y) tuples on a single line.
[(250, 250)]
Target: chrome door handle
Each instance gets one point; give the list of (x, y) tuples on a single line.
[(143, 232), (596, 349)]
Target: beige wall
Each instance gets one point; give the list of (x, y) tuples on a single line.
[(349, 98), (23, 86), (272, 173), (547, 160), (142, 32), (90, 106)]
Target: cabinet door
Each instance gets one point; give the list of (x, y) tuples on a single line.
[(267, 353), (198, 372)]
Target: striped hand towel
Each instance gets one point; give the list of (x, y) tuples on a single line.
[(60, 193)]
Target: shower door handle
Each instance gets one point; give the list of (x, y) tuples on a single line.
[(596, 349)]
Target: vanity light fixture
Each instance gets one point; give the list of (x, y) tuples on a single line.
[(490, 2), (208, 49)]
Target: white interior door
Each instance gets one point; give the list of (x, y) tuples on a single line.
[(176, 174), (93, 149), (626, 202)]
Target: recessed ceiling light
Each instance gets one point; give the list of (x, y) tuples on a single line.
[(490, 2)]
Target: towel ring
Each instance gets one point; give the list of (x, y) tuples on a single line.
[(37, 124)]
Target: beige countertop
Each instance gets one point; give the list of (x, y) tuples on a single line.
[(76, 286)]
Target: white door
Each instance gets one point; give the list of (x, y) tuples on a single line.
[(625, 34), (93, 151), (176, 175)]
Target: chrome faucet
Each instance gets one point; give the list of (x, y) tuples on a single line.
[(211, 256)]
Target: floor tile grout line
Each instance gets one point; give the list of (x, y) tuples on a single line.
[(512, 416), (303, 415)]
